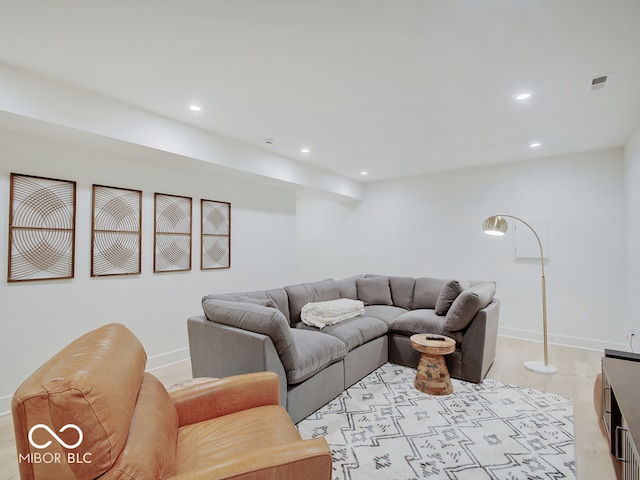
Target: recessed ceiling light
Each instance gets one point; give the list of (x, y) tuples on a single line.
[(364, 172), (523, 96), (534, 144), (194, 108), (305, 150)]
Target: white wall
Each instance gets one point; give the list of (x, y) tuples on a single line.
[(431, 226), (632, 177), (39, 318)]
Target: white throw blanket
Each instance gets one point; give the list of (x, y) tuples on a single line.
[(321, 314)]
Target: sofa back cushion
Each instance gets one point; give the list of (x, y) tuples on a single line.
[(468, 303), (255, 318), (303, 293), (263, 297), (402, 290), (347, 287), (426, 292), (93, 383)]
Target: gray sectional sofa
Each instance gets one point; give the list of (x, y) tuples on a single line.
[(258, 331)]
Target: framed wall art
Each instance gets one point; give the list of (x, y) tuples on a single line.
[(42, 218), (172, 233), (215, 235), (116, 231)]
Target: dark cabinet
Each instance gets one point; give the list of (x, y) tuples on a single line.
[(621, 412)]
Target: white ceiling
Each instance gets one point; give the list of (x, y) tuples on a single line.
[(396, 88)]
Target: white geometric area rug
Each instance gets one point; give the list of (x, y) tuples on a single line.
[(383, 428)]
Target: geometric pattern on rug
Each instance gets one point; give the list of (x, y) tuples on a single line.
[(384, 428)]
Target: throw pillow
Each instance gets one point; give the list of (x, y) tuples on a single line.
[(447, 296), (468, 303), (374, 291)]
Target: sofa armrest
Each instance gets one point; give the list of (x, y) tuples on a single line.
[(307, 459), (479, 342), (217, 397), (221, 351)]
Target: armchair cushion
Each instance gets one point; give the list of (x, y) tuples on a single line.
[(216, 445), (309, 459), (151, 444)]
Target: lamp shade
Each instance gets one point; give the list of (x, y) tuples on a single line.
[(495, 225)]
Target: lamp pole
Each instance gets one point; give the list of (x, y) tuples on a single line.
[(494, 225)]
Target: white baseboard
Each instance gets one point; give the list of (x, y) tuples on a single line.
[(168, 358), (153, 363), (569, 341), (5, 405)]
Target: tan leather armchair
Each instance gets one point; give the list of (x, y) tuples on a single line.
[(92, 411)]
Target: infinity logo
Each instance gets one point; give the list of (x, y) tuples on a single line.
[(53, 434)]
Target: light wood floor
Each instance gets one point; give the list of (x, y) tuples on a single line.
[(577, 371)]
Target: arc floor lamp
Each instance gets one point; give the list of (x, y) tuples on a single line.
[(497, 225)]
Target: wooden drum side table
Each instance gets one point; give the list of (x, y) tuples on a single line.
[(432, 376)]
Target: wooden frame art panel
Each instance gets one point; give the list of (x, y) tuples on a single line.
[(42, 221), (116, 231), (172, 233), (215, 231)]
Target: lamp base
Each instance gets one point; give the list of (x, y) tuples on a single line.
[(540, 367)]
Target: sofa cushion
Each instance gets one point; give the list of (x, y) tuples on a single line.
[(386, 313), (402, 289), (265, 302), (347, 287), (314, 351), (447, 295), (277, 295), (303, 293), (258, 319), (426, 292), (423, 321), (468, 303), (374, 291), (354, 331)]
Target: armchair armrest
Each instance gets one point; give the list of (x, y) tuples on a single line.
[(307, 459), (222, 396)]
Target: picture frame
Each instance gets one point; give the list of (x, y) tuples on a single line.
[(42, 221), (116, 231), (172, 233), (215, 234)]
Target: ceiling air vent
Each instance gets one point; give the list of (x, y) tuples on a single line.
[(599, 83)]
